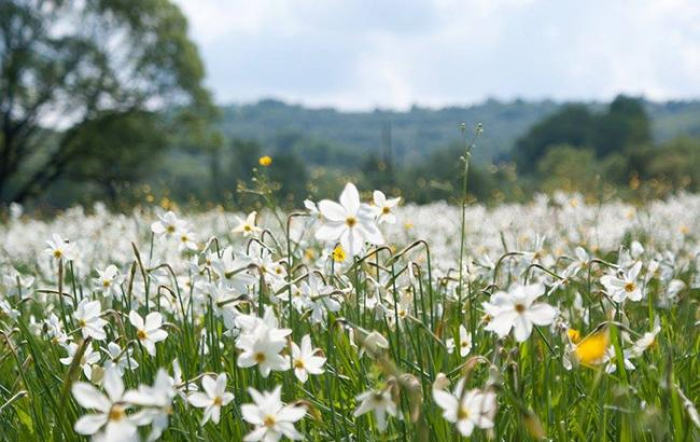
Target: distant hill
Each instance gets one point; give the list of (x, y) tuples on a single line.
[(418, 131)]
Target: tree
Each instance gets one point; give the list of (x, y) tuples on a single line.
[(112, 148), (572, 125), (84, 66), (624, 126)]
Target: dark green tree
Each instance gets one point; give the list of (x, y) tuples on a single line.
[(112, 148), (69, 69), (572, 125), (626, 125)]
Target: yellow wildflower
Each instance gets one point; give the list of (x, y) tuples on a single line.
[(339, 254), (591, 350)]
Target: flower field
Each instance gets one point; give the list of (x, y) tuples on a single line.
[(357, 319)]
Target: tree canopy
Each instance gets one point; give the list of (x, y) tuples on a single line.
[(73, 73), (624, 125)]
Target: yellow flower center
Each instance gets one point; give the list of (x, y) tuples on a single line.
[(57, 254), (260, 357), (82, 323), (105, 283), (630, 286), (170, 229), (141, 334), (463, 413), (386, 210), (519, 308), (116, 413), (298, 363), (351, 221), (218, 401), (269, 421)]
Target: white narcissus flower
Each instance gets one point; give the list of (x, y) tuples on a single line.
[(108, 280), (61, 249), (610, 360), (262, 347), (465, 341), (518, 310), (319, 297), (271, 418), (54, 329), (646, 341), (120, 359), (86, 362), (468, 410), (182, 388), (247, 227), (111, 417), (148, 332), (384, 207), (88, 317), (380, 403), (213, 398), (624, 286), (168, 224), (315, 214), (305, 361), (351, 222), (17, 284), (186, 241), (157, 402)]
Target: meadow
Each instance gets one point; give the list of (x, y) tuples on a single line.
[(358, 319)]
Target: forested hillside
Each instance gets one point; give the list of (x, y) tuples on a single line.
[(330, 135)]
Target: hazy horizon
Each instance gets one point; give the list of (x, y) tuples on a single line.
[(477, 103)]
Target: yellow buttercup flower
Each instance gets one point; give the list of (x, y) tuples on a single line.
[(591, 350), (265, 160), (574, 335), (339, 254)]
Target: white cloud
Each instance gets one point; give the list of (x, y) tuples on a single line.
[(361, 53)]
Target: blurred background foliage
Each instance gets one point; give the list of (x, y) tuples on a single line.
[(114, 109)]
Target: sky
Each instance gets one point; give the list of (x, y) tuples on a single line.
[(364, 54)]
